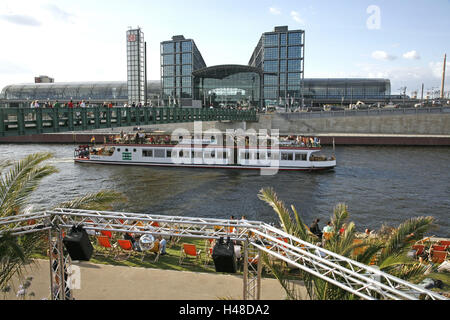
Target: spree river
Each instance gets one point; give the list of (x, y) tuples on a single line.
[(380, 185)]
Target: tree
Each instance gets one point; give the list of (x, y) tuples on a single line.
[(388, 253), (16, 185)]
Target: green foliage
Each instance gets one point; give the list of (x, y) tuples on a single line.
[(388, 252)]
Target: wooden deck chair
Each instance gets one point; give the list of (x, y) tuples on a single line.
[(445, 243), (189, 250), (438, 247), (208, 255), (419, 249), (126, 247), (154, 250), (438, 256), (154, 224), (106, 246)]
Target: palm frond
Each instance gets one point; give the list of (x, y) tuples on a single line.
[(409, 231)]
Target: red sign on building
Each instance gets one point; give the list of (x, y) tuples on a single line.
[(131, 37)]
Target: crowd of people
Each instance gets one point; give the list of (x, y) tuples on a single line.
[(303, 141)]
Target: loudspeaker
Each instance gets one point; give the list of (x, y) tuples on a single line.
[(224, 256), (78, 244)]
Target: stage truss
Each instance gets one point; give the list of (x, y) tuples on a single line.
[(255, 237)]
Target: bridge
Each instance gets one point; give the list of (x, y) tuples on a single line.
[(30, 121), (257, 237)]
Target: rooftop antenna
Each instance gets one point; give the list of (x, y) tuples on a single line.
[(443, 76)]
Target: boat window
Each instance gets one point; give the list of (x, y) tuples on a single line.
[(247, 155), (147, 153), (225, 155), (192, 154), (274, 156), (300, 157), (262, 156), (199, 154), (169, 153), (118, 149), (286, 156), (159, 153), (181, 153), (213, 154), (126, 150), (134, 150)]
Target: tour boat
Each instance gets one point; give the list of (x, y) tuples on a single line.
[(290, 153)]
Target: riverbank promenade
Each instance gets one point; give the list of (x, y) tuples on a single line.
[(107, 282)]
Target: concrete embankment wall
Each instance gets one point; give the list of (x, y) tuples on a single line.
[(398, 129)]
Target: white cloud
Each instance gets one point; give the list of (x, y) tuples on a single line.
[(274, 11), (21, 19), (58, 13), (412, 55), (436, 69), (382, 55), (296, 16)]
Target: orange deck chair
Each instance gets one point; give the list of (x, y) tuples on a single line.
[(189, 250), (126, 247), (419, 249), (106, 246), (438, 256)]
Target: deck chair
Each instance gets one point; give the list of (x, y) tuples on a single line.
[(438, 256), (439, 247), (106, 233), (419, 249), (106, 246), (208, 250), (445, 243), (327, 235), (126, 247), (189, 250), (155, 250)]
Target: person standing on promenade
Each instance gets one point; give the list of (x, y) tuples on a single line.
[(70, 104)]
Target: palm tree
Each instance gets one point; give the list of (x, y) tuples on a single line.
[(16, 185), (388, 254)]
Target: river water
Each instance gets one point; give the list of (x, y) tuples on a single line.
[(380, 185)]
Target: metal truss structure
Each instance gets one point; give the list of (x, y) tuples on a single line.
[(255, 237)]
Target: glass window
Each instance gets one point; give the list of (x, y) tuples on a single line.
[(294, 52), (270, 66), (271, 53), (271, 40), (187, 58), (147, 153), (186, 46), (168, 59), (270, 80), (283, 65), (168, 153), (178, 58), (300, 157), (168, 82), (177, 47), (286, 156), (283, 53), (167, 47), (295, 38), (270, 92), (294, 65), (282, 79), (293, 78), (283, 39), (168, 71), (186, 82), (186, 70)]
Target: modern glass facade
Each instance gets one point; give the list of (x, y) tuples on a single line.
[(228, 85), (179, 58), (348, 90), (280, 54), (115, 91), (136, 66)]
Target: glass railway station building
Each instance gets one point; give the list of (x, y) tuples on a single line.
[(274, 76)]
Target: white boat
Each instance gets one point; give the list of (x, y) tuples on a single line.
[(157, 150)]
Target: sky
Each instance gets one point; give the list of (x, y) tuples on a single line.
[(402, 40)]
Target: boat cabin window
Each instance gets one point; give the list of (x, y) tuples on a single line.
[(118, 149), (273, 156), (180, 154), (286, 156), (159, 153), (300, 157), (198, 154), (261, 156), (126, 150), (147, 153), (134, 150), (169, 153), (225, 155)]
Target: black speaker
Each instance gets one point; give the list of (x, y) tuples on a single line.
[(78, 245), (224, 256)]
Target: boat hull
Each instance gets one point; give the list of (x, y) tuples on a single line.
[(204, 166)]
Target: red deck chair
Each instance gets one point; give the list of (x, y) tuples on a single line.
[(445, 243), (189, 250), (106, 233), (105, 244), (126, 247), (438, 256), (419, 249), (439, 247)]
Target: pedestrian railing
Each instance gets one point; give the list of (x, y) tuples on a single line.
[(29, 121)]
